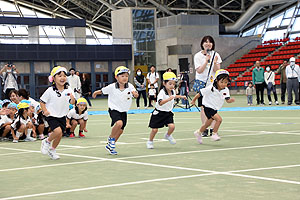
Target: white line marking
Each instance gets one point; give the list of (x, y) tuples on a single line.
[(63, 145), (264, 168)]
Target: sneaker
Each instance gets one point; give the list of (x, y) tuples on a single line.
[(15, 141), (276, 102), (110, 150), (45, 146), (215, 137), (211, 131), (283, 102), (198, 136), (29, 139), (138, 108), (111, 143), (41, 137), (72, 135), (150, 144), (248, 104), (270, 102), (81, 135), (146, 107), (170, 138), (52, 154), (205, 133)]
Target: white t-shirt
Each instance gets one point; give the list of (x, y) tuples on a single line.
[(214, 99), (152, 92), (152, 77), (199, 60), (75, 83), (74, 115), (23, 121), (162, 95), (57, 106), (117, 99), (292, 71), (5, 119)]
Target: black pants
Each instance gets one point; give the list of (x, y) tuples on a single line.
[(87, 99), (283, 91), (143, 93), (259, 89)]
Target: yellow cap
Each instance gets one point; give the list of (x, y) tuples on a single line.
[(22, 105), (221, 71), (121, 69), (81, 101), (55, 71), (169, 76)]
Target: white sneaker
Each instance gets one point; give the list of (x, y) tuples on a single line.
[(29, 139), (215, 137), (270, 102), (138, 108), (146, 107), (41, 137), (170, 138), (52, 154), (198, 136), (15, 141), (150, 144), (276, 102), (45, 146)]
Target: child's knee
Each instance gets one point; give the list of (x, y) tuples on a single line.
[(171, 126), (74, 122), (119, 123)]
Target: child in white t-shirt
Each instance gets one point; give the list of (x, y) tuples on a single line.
[(7, 120), (119, 101), (55, 106), (152, 95), (78, 115), (213, 100), (162, 114)]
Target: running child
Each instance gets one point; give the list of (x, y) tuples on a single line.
[(119, 101), (162, 114), (55, 106), (213, 100), (78, 115)]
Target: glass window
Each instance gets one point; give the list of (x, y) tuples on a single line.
[(27, 12), (67, 65), (41, 15), (101, 66), (41, 31), (83, 66), (91, 41), (259, 29), (296, 25), (88, 32), (52, 31), (4, 30), (100, 35), (57, 41), (105, 41), (285, 22), (276, 20), (44, 41), (289, 13), (23, 67), (270, 35), (19, 30), (248, 33), (6, 6), (41, 67)]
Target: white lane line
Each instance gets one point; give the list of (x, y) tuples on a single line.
[(107, 186), (264, 168), (63, 145)]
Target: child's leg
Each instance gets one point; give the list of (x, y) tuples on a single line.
[(153, 133), (6, 130), (74, 123), (55, 137), (218, 120), (168, 135), (206, 124), (171, 129), (116, 131), (81, 125)]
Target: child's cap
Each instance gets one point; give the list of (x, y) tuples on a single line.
[(169, 76), (5, 101), (55, 71), (121, 69), (221, 71), (22, 105), (81, 101), (12, 105)]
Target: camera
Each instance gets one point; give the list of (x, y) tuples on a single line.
[(9, 65)]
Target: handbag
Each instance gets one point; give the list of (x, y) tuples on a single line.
[(201, 84)]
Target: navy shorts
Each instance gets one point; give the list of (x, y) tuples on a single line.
[(116, 116), (159, 119), (55, 122), (209, 112)]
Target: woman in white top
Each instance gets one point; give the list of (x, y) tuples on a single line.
[(206, 62), (270, 81)]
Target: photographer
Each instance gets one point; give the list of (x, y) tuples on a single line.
[(9, 75)]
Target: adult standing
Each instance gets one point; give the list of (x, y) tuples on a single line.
[(207, 62), (292, 74), (184, 86), (283, 79), (9, 77), (140, 82), (74, 82), (258, 79), (271, 87), (86, 88), (152, 78)]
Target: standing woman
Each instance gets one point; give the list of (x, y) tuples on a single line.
[(85, 88), (140, 82), (206, 62)]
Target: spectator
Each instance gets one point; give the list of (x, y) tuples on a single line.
[(207, 62), (74, 82), (249, 94), (270, 81), (283, 80), (169, 70), (140, 82), (86, 88), (184, 86), (292, 73), (9, 77), (258, 80), (152, 95), (14, 96), (152, 78)]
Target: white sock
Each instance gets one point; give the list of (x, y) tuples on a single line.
[(29, 132), (18, 134)]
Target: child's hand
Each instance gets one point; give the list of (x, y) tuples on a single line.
[(96, 93), (85, 130), (231, 100), (68, 125), (135, 94), (193, 102)]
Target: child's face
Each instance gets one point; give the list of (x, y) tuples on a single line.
[(14, 97), (250, 85), (152, 86), (60, 79), (12, 111), (170, 85), (122, 78), (222, 84), (81, 106)]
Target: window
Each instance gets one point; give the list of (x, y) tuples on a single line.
[(289, 13), (275, 21), (259, 29), (248, 33), (270, 35), (296, 25)]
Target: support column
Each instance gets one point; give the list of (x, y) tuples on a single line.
[(75, 35), (33, 34)]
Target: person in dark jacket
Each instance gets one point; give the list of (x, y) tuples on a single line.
[(140, 82), (86, 88)]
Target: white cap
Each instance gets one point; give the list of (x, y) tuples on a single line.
[(292, 59)]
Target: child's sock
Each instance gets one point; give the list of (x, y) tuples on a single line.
[(18, 134), (28, 135)]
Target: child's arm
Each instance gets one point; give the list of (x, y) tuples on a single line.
[(97, 92), (162, 102), (231, 100), (68, 125), (44, 109), (73, 100), (84, 126), (195, 98)]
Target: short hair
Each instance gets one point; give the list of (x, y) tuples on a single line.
[(72, 69), (210, 39), (152, 84)]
